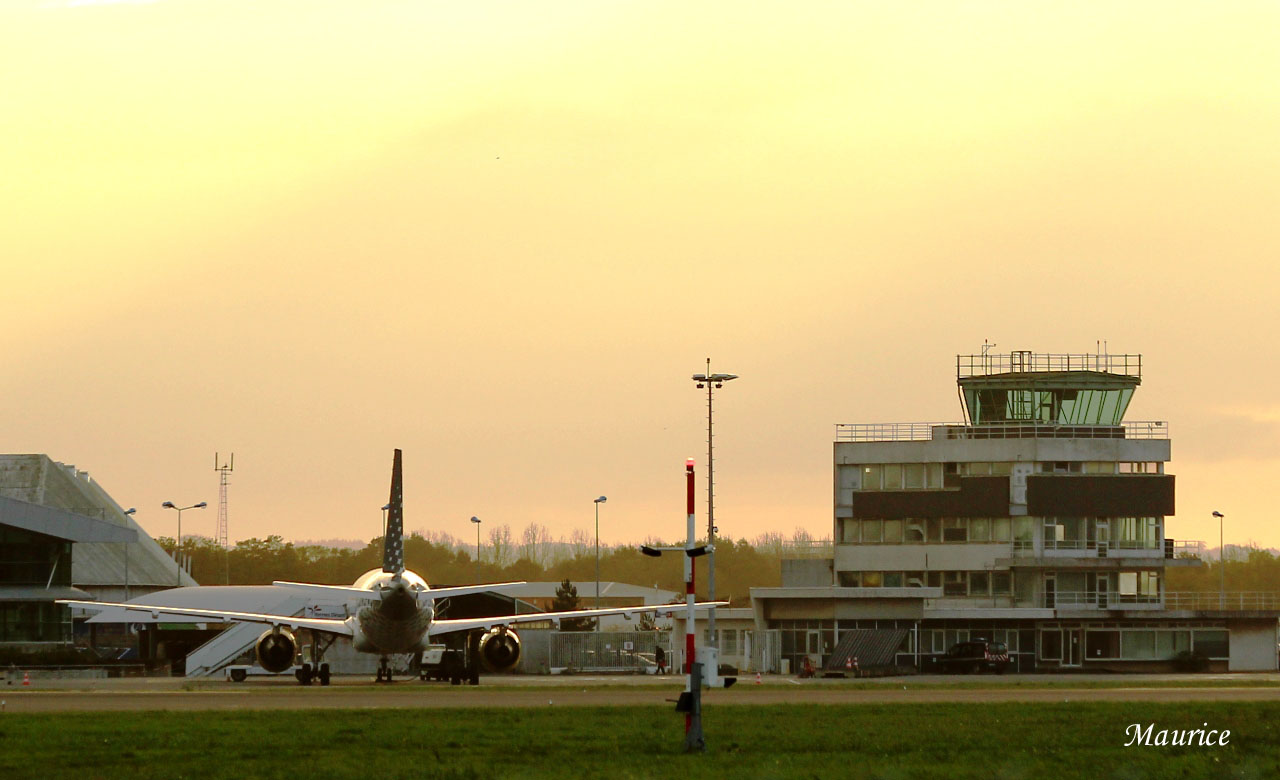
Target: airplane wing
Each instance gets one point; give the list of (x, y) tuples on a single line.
[(444, 593), (439, 627), (329, 625)]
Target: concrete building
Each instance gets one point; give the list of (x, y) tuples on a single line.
[(1038, 522)]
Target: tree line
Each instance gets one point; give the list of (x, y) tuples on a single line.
[(443, 561)]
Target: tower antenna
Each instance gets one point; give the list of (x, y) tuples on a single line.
[(224, 475)]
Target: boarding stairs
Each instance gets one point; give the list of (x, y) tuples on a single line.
[(873, 648), (230, 644)]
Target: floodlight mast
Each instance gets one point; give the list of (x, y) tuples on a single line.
[(711, 381)]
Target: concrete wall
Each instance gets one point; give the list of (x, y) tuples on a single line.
[(1002, 450), (807, 573), (1253, 646)]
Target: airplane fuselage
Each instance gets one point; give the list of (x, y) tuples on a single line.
[(398, 621)]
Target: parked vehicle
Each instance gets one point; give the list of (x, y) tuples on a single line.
[(975, 656)]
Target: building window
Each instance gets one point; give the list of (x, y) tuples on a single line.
[(849, 531), (1001, 583), (893, 532), (1170, 643), (955, 529), (871, 477), (1000, 529), (1051, 645), (850, 579), (954, 583), (913, 476), (934, 530), (933, 476), (1099, 467), (979, 529), (915, 579), (871, 531), (978, 583), (1138, 645), (892, 476), (1212, 644), (872, 579), (1102, 644), (915, 532), (893, 579)]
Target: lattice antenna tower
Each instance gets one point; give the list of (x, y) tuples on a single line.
[(224, 469)]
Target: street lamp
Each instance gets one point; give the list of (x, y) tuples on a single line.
[(1222, 564), (178, 547), (127, 512), (711, 381), (476, 520), (598, 502)]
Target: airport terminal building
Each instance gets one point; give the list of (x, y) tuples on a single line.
[(1038, 521)]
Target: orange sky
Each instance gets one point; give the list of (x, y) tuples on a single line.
[(501, 236)]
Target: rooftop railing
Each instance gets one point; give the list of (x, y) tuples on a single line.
[(1235, 601), (818, 548), (1025, 362), (928, 431)]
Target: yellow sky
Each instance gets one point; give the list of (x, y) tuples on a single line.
[(501, 236)]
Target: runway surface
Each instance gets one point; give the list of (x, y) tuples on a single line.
[(359, 693)]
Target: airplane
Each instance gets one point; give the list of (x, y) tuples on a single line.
[(397, 614)]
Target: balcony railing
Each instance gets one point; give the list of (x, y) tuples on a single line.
[(818, 548), (1172, 548), (928, 431), (1235, 601), (1099, 599)]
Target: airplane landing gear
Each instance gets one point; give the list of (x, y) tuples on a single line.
[(315, 670), (384, 670)]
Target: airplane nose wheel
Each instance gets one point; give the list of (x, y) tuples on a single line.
[(384, 670)]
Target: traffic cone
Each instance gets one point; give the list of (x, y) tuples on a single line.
[(26, 679), (757, 678), (848, 663)]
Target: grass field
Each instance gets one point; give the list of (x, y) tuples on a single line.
[(1009, 741)]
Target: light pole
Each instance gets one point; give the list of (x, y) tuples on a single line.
[(127, 512), (178, 547), (1222, 564), (598, 502), (476, 520), (710, 381)]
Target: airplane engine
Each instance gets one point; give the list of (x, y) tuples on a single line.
[(276, 650), (500, 649)]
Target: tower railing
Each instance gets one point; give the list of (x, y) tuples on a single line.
[(928, 431), (1032, 362)]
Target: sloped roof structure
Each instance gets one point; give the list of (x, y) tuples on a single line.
[(36, 484)]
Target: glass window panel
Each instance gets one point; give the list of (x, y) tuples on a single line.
[(935, 579), (933, 476), (979, 529), (915, 579), (892, 476), (850, 579), (893, 579), (934, 526), (1000, 529), (1099, 467), (872, 579), (1212, 643), (871, 477), (955, 529), (1001, 469), (955, 583), (1138, 645), (977, 469), (1102, 644), (1000, 583), (913, 476), (1024, 529), (1128, 583), (893, 532), (1164, 644), (849, 531), (915, 531), (978, 583), (871, 531)]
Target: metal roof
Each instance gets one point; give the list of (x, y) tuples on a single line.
[(60, 523), (871, 646), (37, 593), (36, 480)]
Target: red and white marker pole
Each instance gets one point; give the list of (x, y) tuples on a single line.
[(688, 589)]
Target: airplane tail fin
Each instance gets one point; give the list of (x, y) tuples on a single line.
[(393, 540)]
